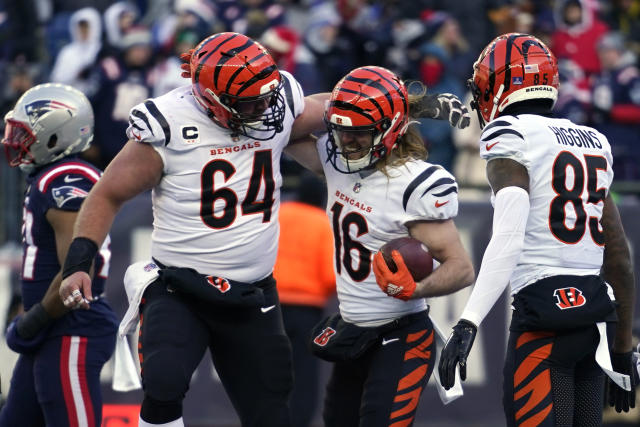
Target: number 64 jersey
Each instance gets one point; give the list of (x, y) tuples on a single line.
[(570, 174), (216, 207), (366, 211)]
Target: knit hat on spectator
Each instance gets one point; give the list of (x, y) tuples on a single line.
[(135, 37), (612, 40)]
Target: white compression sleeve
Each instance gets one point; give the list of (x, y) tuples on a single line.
[(511, 210)]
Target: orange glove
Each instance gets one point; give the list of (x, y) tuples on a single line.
[(399, 284), (186, 67)]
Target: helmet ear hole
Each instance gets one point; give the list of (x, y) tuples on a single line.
[(53, 141), (386, 123)]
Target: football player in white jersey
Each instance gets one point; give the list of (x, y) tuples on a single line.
[(557, 239), (210, 151), (379, 188)]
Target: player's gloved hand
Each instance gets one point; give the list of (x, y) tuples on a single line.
[(622, 399), (399, 284), (186, 65), (446, 106), (33, 328), (455, 352)]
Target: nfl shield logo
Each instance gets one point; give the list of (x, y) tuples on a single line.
[(356, 187)]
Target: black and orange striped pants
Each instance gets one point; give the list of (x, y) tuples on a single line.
[(551, 378), (383, 386)]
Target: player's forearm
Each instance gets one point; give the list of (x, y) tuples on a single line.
[(451, 276), (96, 216), (51, 301), (617, 270)]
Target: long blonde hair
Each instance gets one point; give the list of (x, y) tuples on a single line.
[(410, 145)]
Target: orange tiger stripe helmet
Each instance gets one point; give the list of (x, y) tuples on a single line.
[(512, 68), (236, 80), (370, 104)]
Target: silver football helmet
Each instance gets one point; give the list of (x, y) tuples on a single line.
[(49, 122)]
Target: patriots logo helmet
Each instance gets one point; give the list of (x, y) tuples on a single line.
[(49, 122)]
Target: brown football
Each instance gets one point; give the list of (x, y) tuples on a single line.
[(415, 254)]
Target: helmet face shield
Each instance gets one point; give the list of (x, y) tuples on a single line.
[(17, 140), (263, 113), (354, 148), (368, 113)]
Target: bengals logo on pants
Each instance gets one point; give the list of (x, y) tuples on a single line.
[(324, 336), (569, 298), (220, 283)]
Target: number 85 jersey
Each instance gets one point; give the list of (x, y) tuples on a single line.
[(570, 175)]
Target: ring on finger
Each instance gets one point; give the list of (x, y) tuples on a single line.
[(75, 293)]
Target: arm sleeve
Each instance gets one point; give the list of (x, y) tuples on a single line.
[(503, 251)]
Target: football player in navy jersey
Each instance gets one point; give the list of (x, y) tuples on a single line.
[(56, 381), (557, 240)]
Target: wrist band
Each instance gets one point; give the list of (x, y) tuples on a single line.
[(81, 253)]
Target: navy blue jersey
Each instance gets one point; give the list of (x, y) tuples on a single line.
[(61, 185)]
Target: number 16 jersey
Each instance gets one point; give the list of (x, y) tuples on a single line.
[(570, 175)]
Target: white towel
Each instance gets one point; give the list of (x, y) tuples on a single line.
[(125, 373), (136, 279), (603, 358), (446, 396)]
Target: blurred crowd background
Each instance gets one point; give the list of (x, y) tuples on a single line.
[(120, 53)]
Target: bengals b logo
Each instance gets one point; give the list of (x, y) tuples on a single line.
[(220, 283), (569, 298), (324, 336)]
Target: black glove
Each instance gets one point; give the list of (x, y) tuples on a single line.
[(455, 352), (618, 397), (446, 106)]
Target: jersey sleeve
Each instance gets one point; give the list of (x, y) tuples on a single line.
[(147, 124), (432, 195), (293, 94), (504, 138), (67, 191)]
